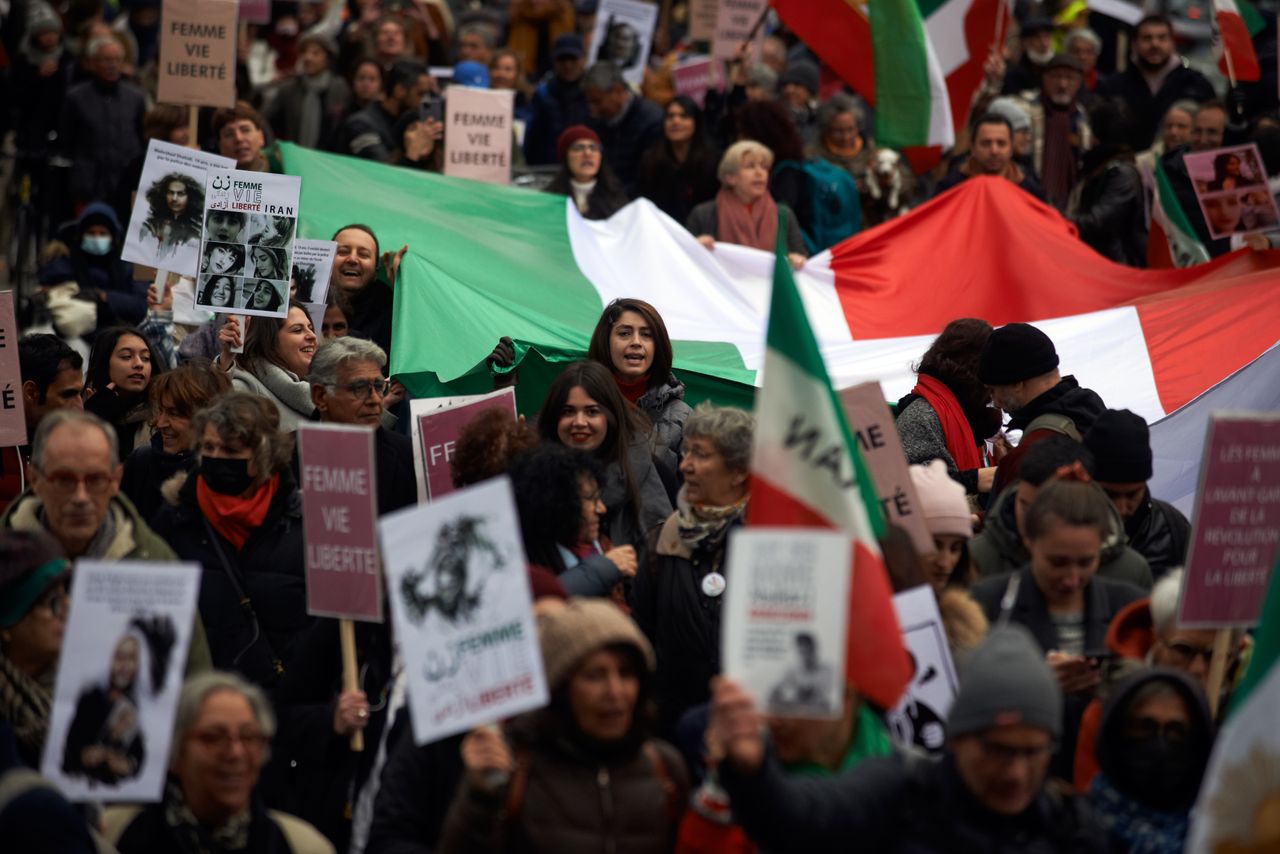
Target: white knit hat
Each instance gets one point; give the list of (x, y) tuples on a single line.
[(942, 500)]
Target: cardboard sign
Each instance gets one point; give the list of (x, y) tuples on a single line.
[(1236, 523), (435, 423), (694, 78), (734, 21), (920, 717), (313, 270), (623, 34), (13, 418), (463, 611), (255, 11), (702, 20), (198, 53), (123, 657), (246, 247), (785, 617), (881, 448), (168, 210), (339, 507), (1231, 188), (477, 133)]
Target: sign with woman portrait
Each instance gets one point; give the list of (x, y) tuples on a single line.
[(168, 211), (246, 252), (623, 33), (119, 676), (1231, 187)]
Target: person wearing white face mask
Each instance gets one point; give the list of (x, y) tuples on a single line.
[(92, 262)]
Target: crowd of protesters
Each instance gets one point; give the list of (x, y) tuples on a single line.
[(1082, 721)]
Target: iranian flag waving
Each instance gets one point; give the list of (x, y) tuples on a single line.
[(806, 471), (915, 108), (1238, 23), (1240, 797), (1171, 242)]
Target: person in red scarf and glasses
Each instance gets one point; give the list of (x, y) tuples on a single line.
[(948, 416), (239, 515)]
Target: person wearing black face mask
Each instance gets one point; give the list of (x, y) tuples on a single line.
[(1153, 745), (239, 514)]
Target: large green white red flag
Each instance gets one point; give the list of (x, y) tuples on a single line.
[(806, 471)]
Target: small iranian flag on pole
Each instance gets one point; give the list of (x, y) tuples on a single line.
[(806, 472), (1240, 798), (1171, 242), (915, 107), (1238, 22)]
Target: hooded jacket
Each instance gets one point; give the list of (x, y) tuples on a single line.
[(126, 299), (665, 407), (999, 549)]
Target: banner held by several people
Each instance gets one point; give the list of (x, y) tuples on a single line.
[(129, 625)]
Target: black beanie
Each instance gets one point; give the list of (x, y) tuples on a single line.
[(1121, 446), (1016, 352)]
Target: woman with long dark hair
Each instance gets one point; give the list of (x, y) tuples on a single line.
[(277, 355), (584, 176), (948, 416), (176, 214), (679, 171), (121, 367)]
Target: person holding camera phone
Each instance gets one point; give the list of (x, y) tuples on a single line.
[(393, 129)]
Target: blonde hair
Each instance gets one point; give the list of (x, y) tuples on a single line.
[(732, 158)]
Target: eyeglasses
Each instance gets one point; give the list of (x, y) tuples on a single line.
[(1186, 653), (1006, 754), (365, 388), (220, 740), (67, 482), (1143, 729), (579, 147)]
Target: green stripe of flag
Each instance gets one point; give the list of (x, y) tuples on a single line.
[(1252, 18), (902, 73), (1266, 642), (1178, 227)]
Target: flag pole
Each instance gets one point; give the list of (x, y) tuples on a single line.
[(1226, 53), (350, 673), (1218, 669)]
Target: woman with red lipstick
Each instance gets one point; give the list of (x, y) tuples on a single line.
[(120, 371), (585, 410), (632, 342)]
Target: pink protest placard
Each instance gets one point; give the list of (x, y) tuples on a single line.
[(13, 419), (693, 78), (255, 11), (1236, 522), (339, 515), (438, 435)]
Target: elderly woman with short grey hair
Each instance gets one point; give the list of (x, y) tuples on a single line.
[(220, 742), (676, 596)]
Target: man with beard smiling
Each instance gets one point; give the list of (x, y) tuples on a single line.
[(1156, 79), (355, 274)]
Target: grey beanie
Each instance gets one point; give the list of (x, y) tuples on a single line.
[(1013, 109), (1006, 681)]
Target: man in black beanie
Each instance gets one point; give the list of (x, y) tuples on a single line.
[(1121, 445), (1019, 366)]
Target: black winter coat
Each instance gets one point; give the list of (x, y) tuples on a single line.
[(256, 639), (676, 187), (1148, 109), (906, 805), (146, 470), (626, 142), (1111, 215), (285, 112), (418, 786), (100, 131), (1160, 533)]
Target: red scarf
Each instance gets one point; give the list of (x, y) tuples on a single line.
[(632, 390), (746, 225), (955, 427), (233, 517)]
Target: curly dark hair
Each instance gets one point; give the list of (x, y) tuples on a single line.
[(953, 358), (185, 226), (546, 481), (487, 444)]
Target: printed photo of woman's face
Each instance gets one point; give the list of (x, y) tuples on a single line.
[(225, 226), (222, 259)]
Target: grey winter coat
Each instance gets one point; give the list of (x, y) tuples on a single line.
[(665, 407)]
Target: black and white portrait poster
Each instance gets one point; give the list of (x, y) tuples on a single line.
[(785, 618), (164, 228), (622, 35), (920, 716), (123, 656), (246, 252), (463, 611)]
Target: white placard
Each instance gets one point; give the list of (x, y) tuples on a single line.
[(463, 611), (785, 618), (246, 246), (312, 270), (477, 133), (622, 35), (168, 211), (920, 717), (119, 677)]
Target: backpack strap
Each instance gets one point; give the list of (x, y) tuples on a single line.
[(662, 771), (1055, 422)]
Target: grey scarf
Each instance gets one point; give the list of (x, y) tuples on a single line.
[(313, 89)]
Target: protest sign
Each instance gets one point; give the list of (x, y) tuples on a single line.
[(198, 53), (920, 717), (478, 134), (622, 35), (123, 657), (255, 11), (168, 210), (1231, 188), (434, 425), (339, 491), (702, 20), (13, 419), (246, 243), (1235, 524), (463, 611), (785, 613), (313, 270), (881, 449), (736, 22), (693, 78)]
